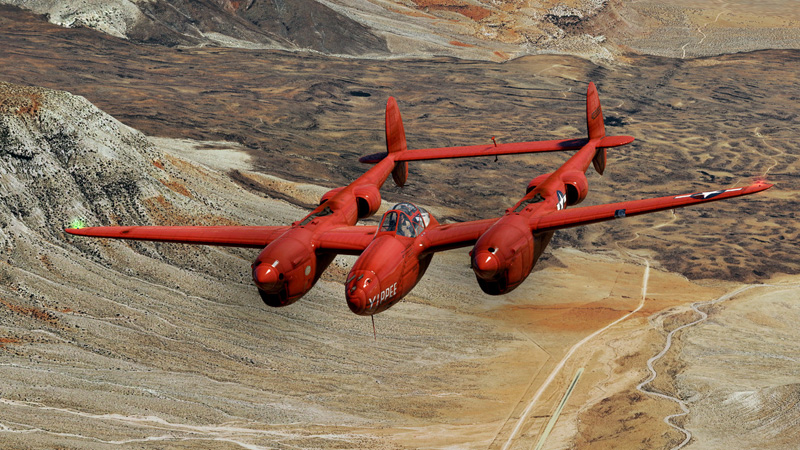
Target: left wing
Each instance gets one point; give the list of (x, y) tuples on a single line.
[(574, 217), (346, 240), (229, 236)]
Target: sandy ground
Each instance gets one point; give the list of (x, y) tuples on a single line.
[(151, 346), (142, 354)]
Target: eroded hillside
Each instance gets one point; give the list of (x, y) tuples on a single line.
[(600, 30), (700, 124)]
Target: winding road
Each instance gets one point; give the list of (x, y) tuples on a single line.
[(703, 316), (642, 387), (557, 369)]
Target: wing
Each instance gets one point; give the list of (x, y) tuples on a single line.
[(229, 236), (499, 149), (346, 240), (353, 240), (574, 217), (455, 235)]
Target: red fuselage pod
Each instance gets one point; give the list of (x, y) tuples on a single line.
[(390, 266), (288, 267), (504, 256)]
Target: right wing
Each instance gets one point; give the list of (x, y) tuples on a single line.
[(455, 235), (573, 217), (229, 236)]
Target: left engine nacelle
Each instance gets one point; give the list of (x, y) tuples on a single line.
[(288, 268), (576, 185), (368, 200)]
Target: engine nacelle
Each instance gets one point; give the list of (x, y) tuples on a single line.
[(329, 195), (288, 268), (368, 200), (535, 182), (576, 185), (504, 256)]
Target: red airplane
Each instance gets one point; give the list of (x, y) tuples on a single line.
[(506, 248), (394, 256), (294, 257)]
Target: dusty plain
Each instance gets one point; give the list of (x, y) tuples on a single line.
[(114, 345)]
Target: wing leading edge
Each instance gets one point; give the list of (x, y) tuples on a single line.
[(455, 235), (228, 236), (573, 217), (346, 240)]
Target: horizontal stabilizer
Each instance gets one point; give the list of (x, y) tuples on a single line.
[(480, 150), (228, 236), (614, 141), (514, 148)]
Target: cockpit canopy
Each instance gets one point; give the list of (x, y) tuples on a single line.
[(406, 219)]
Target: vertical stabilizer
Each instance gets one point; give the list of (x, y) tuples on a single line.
[(594, 114), (594, 122), (396, 140)]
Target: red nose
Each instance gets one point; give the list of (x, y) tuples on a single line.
[(266, 277), (362, 287), (485, 265)]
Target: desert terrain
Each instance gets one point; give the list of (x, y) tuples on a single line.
[(666, 331)]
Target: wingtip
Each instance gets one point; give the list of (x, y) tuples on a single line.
[(759, 185)]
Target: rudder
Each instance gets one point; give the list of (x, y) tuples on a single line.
[(595, 125), (396, 140), (594, 114)]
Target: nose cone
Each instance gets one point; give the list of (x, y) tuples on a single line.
[(266, 277), (362, 291), (485, 265)]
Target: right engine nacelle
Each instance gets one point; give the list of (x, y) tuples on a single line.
[(576, 185)]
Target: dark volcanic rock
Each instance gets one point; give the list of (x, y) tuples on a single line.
[(309, 24), (296, 25), (303, 24)]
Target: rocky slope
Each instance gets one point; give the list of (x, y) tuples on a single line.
[(601, 30), (699, 124), (63, 158), (106, 344), (301, 24)]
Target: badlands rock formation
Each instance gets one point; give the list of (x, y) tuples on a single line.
[(600, 30), (300, 24), (107, 344)]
